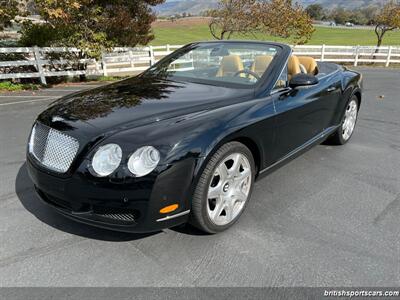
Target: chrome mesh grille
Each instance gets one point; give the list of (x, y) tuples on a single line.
[(120, 217), (52, 148)]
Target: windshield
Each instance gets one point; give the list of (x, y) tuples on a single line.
[(242, 64)]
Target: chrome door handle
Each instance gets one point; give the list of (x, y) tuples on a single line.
[(331, 89)]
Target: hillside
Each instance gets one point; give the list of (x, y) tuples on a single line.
[(172, 7), (189, 6)]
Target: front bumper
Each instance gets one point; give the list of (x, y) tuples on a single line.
[(128, 205)]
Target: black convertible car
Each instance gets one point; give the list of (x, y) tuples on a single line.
[(185, 140)]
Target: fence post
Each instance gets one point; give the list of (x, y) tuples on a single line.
[(323, 52), (131, 58), (356, 55), (388, 57), (168, 48), (39, 65), (96, 66), (104, 64), (152, 58)]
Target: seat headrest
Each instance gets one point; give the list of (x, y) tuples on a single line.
[(293, 66), (261, 64), (310, 64), (230, 65)]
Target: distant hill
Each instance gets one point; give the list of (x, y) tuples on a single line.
[(189, 6), (172, 7), (348, 4)]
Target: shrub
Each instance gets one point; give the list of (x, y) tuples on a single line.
[(12, 87), (41, 35)]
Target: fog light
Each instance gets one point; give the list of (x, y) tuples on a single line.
[(169, 208)]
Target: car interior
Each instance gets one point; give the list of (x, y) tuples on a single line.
[(241, 65), (261, 64), (229, 66), (232, 65)]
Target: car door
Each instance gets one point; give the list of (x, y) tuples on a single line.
[(303, 113)]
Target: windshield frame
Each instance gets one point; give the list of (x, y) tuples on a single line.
[(174, 55)]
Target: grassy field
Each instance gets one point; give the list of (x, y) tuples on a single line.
[(183, 33), (7, 86)]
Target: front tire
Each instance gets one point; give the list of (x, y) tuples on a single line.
[(349, 121), (224, 188)]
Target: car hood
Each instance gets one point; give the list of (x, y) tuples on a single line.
[(135, 102)]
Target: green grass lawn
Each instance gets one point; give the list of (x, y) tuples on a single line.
[(7, 86), (322, 35)]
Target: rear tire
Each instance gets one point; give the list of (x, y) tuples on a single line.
[(224, 188), (348, 123)]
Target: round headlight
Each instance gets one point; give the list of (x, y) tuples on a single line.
[(106, 160), (143, 161)]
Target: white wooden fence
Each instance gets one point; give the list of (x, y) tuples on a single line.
[(351, 54), (133, 60), (127, 61), (42, 66)]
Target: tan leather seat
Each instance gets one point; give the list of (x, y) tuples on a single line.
[(261, 64), (310, 64), (230, 65), (293, 66)]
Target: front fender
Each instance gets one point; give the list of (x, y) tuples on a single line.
[(191, 140), (351, 84)]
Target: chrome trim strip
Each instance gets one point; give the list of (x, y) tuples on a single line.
[(280, 90), (280, 74), (324, 133), (174, 216)]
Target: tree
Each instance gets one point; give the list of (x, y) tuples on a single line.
[(370, 14), (92, 25), (387, 20), (275, 17), (357, 17), (340, 15), (8, 11), (232, 16), (315, 11), (283, 19)]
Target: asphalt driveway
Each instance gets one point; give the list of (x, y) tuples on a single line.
[(328, 218)]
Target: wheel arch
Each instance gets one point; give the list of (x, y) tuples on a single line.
[(358, 94), (247, 140), (254, 149), (246, 133)]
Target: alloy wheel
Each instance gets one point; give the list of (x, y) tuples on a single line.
[(229, 189), (350, 119)]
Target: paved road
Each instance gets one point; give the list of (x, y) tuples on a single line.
[(329, 218)]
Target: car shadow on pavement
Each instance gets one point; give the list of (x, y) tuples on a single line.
[(188, 229), (26, 194)]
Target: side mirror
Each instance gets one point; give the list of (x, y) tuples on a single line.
[(299, 80)]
